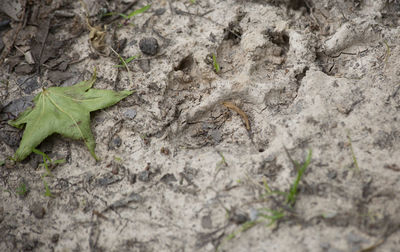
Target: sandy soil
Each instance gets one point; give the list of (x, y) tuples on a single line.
[(179, 170)]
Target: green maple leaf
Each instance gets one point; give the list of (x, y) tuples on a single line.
[(66, 111)]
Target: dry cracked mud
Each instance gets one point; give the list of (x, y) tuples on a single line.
[(181, 171)]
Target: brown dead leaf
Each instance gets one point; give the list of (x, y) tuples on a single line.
[(231, 105), (96, 37)]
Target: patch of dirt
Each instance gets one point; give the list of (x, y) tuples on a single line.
[(179, 171)]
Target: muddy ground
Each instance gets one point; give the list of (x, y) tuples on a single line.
[(191, 160)]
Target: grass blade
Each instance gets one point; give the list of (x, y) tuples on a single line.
[(136, 12)]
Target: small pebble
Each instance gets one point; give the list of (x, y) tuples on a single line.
[(149, 46), (130, 114), (115, 142), (160, 11)]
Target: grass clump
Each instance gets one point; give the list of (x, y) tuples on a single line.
[(47, 164), (285, 205)]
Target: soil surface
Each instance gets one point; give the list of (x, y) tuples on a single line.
[(230, 98)]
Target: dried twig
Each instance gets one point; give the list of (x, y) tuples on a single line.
[(232, 106)]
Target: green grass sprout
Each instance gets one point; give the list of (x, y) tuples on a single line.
[(22, 190), (136, 12), (215, 63), (272, 216), (46, 163), (130, 15), (47, 192), (244, 227), (291, 198), (126, 61), (46, 159), (221, 163)]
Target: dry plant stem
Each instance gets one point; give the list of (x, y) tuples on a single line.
[(352, 152), (232, 106), (126, 66)]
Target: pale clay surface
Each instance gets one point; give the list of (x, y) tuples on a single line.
[(353, 94)]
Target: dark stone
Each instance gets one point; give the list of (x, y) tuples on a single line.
[(38, 210), (149, 46)]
